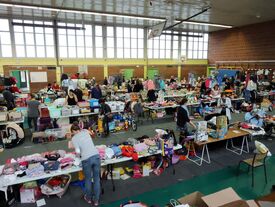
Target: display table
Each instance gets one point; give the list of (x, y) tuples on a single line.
[(231, 134), (75, 169), (20, 121)]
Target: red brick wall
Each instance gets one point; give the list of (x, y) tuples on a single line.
[(93, 71), (252, 42)]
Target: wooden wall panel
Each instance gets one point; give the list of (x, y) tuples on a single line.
[(97, 72), (167, 71), (252, 42), (198, 70), (34, 87), (114, 70)]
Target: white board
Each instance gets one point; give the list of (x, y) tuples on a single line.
[(38, 77)]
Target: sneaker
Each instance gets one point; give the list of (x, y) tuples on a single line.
[(96, 203), (87, 200)]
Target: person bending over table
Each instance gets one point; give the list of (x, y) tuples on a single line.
[(183, 118), (84, 146)]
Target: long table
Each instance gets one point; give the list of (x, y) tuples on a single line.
[(231, 134), (86, 114), (74, 169)]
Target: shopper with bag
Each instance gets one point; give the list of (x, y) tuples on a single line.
[(84, 146)]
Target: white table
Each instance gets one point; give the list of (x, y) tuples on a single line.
[(85, 114), (20, 121), (75, 169)]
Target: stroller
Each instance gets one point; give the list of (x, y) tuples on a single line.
[(12, 136)]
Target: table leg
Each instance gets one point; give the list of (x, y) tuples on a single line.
[(237, 150), (111, 171), (200, 159)]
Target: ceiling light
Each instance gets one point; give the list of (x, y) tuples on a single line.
[(83, 12), (206, 24)]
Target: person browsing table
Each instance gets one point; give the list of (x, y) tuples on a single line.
[(183, 117), (84, 146)]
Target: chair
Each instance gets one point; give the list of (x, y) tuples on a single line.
[(257, 161)]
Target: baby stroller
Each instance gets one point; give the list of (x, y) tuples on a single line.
[(13, 135)]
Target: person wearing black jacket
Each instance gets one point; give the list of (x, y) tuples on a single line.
[(105, 111), (183, 117)]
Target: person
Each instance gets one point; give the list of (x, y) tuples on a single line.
[(84, 146), (33, 112), (79, 94), (227, 84), (14, 89), (255, 117), (105, 82), (129, 87), (105, 111), (96, 92), (172, 80), (71, 98), (252, 88), (55, 86), (9, 98), (161, 84), (49, 88), (138, 86), (65, 85), (226, 105), (75, 76), (183, 117), (215, 92)]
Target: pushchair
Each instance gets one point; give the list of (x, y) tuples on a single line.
[(12, 136)]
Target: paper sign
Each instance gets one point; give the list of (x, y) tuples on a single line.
[(40, 202), (38, 77)]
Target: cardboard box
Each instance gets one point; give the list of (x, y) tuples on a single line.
[(193, 199), (227, 198), (29, 195)]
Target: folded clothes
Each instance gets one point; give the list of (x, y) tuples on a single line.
[(35, 171)]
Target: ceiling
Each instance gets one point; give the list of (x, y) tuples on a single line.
[(239, 13)]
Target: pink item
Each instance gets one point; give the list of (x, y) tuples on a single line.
[(141, 147), (66, 160), (137, 172), (151, 85), (101, 152)]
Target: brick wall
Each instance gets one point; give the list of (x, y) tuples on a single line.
[(252, 42), (198, 70)]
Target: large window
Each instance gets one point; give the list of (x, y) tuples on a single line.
[(197, 46), (129, 42), (33, 41), (5, 38), (36, 39), (98, 42)]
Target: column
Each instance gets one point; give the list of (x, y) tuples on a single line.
[(58, 75), (105, 72), (179, 72), (145, 71)]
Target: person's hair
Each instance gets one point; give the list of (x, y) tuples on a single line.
[(71, 90), (75, 126), (216, 86), (183, 101), (223, 94), (49, 84), (32, 95), (101, 100)]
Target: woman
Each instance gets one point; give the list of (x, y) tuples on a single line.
[(84, 146), (138, 86), (226, 105), (216, 92), (183, 117), (71, 98), (33, 112)]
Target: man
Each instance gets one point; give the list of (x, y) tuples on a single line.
[(10, 99), (96, 92)]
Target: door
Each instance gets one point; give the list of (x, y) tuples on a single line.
[(152, 72), (128, 74)]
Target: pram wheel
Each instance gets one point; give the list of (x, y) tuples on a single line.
[(134, 125)]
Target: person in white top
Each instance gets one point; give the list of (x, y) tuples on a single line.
[(252, 87), (226, 104), (216, 92)]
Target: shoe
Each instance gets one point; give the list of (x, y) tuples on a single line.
[(87, 200), (95, 203)]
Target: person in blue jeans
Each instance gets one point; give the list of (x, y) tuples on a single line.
[(83, 144)]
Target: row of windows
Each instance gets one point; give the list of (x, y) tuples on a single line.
[(96, 41)]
